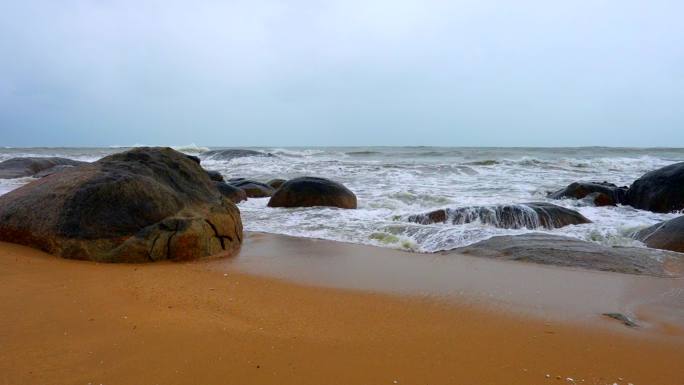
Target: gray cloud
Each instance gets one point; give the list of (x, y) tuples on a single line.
[(342, 73)]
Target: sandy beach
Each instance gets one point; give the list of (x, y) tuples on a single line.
[(210, 322)]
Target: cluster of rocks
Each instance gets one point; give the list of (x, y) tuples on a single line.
[(145, 204), (659, 191), (34, 166)]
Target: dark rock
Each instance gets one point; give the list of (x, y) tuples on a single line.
[(193, 158), (660, 191), (29, 166), (276, 183), (517, 216), (622, 318), (312, 191), (607, 193), (668, 235), (144, 204), (215, 175), (252, 188), (235, 194), (600, 199), (565, 251), (233, 154)]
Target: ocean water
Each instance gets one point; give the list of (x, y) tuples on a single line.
[(392, 183)]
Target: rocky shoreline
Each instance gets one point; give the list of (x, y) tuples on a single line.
[(149, 204)]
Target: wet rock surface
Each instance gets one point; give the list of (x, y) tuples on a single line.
[(313, 191), (602, 193), (571, 252), (660, 191), (30, 166), (668, 235), (516, 216), (252, 188)]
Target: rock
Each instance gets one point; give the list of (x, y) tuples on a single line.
[(600, 199), (622, 318), (516, 216), (215, 175), (235, 194), (233, 154), (565, 251), (668, 235), (52, 170), (145, 204), (29, 166), (276, 183), (193, 158), (311, 191), (252, 188), (660, 191), (607, 193)]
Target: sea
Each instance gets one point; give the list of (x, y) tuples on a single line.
[(392, 183)]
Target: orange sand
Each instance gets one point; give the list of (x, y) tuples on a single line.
[(72, 322)]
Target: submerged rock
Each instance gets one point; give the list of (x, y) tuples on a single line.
[(516, 216), (276, 183), (30, 166), (602, 193), (253, 189), (622, 318), (312, 191), (668, 235), (660, 191), (233, 154), (145, 204), (565, 251), (235, 194)]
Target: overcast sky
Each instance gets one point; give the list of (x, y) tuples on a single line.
[(347, 72)]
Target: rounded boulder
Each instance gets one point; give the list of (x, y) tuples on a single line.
[(312, 191)]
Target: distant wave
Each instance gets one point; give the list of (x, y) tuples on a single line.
[(362, 153), (486, 162), (187, 148)]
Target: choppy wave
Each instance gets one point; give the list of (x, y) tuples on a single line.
[(392, 183)]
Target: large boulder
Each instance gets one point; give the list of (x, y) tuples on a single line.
[(235, 194), (668, 235), (601, 193), (311, 191), (145, 204), (565, 251), (252, 188), (514, 216), (229, 154), (30, 166), (660, 191)]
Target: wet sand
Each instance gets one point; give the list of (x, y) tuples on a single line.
[(217, 322)]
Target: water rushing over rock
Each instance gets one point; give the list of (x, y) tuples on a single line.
[(517, 216)]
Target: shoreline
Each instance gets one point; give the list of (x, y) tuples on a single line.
[(211, 321), (529, 289)]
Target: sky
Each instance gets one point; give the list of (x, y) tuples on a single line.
[(342, 73)]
